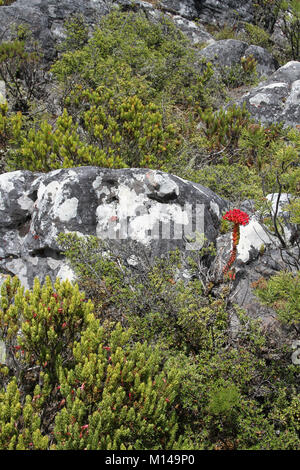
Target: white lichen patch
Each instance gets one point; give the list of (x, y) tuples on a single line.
[(67, 210), (294, 96), (260, 98), (284, 199), (129, 201), (271, 86), (53, 263), (47, 191), (7, 180), (19, 268), (215, 208), (25, 202), (252, 235), (294, 64), (33, 260), (65, 273)]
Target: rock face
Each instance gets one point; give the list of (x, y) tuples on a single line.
[(45, 18), (210, 11), (277, 99), (128, 208)]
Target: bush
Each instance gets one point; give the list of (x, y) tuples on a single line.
[(291, 26), (21, 70), (116, 396), (282, 292), (102, 390), (159, 307), (110, 132), (132, 55)]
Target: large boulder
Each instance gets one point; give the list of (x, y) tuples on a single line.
[(229, 52), (276, 99), (136, 210)]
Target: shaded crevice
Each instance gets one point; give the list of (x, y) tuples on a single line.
[(24, 226), (165, 198), (47, 252), (34, 195)]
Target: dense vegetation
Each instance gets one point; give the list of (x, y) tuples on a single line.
[(117, 361)]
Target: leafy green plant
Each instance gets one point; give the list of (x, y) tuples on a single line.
[(282, 292), (129, 54), (291, 28), (121, 400), (224, 127), (102, 390), (118, 133), (21, 69), (257, 35)]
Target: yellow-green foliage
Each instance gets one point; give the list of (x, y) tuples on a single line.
[(10, 127), (72, 383), (41, 322), (116, 397), (20, 422), (282, 292), (6, 2), (117, 133), (258, 36), (224, 127), (102, 390)]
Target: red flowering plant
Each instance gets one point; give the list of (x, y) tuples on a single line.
[(238, 218)]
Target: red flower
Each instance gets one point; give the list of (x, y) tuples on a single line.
[(236, 216)]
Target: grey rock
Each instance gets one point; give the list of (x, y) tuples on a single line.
[(276, 99), (45, 18), (229, 52), (188, 8), (266, 64), (210, 11), (133, 210), (224, 53), (193, 31)]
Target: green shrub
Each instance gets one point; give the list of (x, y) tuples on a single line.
[(282, 292), (21, 69), (257, 35), (242, 73), (159, 307), (102, 390), (121, 400), (129, 54), (223, 128), (117, 133), (291, 26), (10, 128), (6, 2)]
